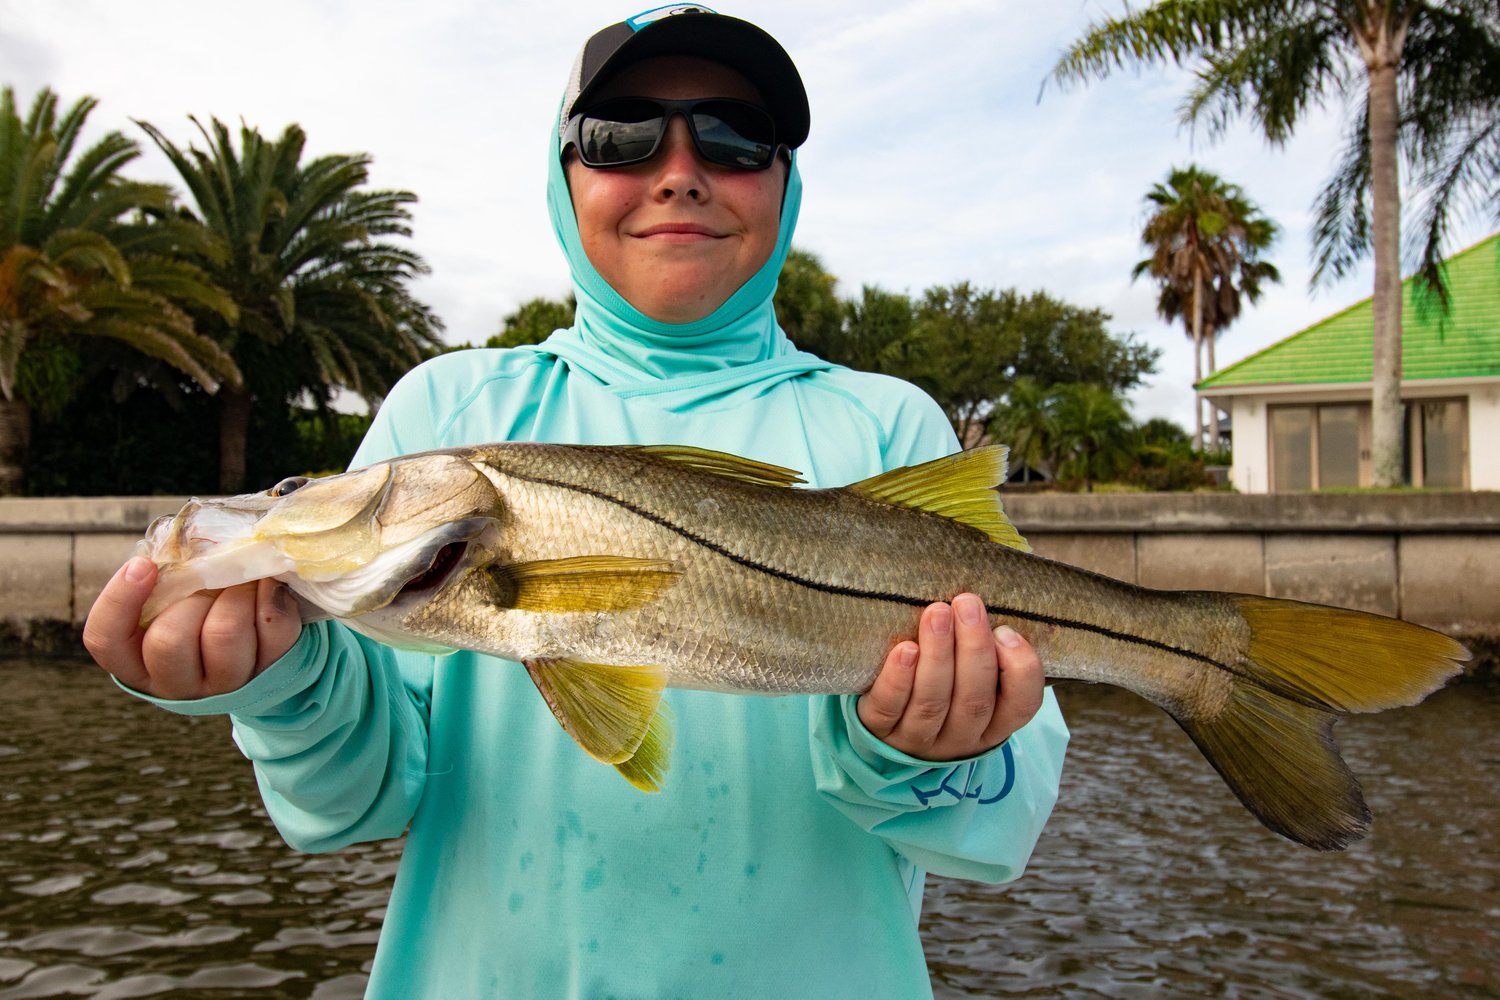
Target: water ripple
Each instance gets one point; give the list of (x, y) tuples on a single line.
[(138, 861)]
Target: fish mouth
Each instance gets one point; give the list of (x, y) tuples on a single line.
[(445, 561)]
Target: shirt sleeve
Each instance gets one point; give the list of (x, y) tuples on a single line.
[(977, 819), (337, 732), (337, 728)]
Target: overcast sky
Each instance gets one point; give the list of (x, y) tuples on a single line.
[(931, 159)]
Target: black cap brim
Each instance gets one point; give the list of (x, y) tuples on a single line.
[(737, 44)]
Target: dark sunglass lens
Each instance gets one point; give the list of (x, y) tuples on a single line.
[(619, 132), (735, 135)]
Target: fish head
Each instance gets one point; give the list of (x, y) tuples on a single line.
[(346, 544)]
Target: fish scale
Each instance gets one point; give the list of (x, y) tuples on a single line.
[(615, 572)]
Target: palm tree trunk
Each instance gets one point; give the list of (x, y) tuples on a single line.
[(1381, 48), (1197, 357), (234, 431), (15, 441), (1213, 408)]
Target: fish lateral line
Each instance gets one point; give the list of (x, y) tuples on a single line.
[(839, 590)]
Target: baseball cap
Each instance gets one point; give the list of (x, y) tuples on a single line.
[(694, 30)]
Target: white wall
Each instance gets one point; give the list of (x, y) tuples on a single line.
[(1250, 471), (1484, 438)]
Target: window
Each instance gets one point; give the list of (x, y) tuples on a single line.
[(1437, 443), (1320, 447), (1338, 446), (1291, 448), (1327, 446)]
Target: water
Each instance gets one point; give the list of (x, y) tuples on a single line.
[(135, 860)]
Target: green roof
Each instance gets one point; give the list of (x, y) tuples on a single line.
[(1464, 343)]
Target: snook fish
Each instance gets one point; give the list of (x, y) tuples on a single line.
[(614, 572)]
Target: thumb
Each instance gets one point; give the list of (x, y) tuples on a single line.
[(112, 633)]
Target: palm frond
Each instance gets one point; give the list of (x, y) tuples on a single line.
[(1275, 76), (1341, 229)]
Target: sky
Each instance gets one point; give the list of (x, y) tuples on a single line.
[(936, 153)]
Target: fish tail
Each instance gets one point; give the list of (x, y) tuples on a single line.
[(1305, 664), (1352, 661)]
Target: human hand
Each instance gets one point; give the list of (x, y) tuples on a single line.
[(956, 692), (209, 643)]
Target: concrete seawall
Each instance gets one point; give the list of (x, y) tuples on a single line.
[(1431, 558)]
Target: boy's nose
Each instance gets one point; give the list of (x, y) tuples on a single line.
[(679, 169)]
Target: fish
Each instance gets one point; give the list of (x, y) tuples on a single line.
[(615, 572)]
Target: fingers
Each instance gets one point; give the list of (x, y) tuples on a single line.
[(965, 692), (933, 689), (976, 674), (172, 647), (1023, 684), (211, 642), (881, 707), (112, 633), (908, 702), (228, 640)]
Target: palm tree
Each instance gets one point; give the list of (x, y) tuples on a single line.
[(322, 290), (1092, 431), (1205, 239), (1024, 422), (84, 252), (1274, 59), (807, 307)]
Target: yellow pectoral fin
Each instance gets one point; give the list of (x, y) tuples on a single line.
[(582, 583), (962, 487), (614, 713)]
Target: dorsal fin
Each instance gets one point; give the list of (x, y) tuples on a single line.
[(961, 487), (720, 463)]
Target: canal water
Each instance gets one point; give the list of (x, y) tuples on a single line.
[(135, 860)]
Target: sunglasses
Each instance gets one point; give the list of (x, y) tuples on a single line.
[(628, 130)]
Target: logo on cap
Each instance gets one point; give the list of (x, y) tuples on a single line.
[(641, 20)]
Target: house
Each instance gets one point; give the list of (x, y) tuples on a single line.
[(1300, 409)]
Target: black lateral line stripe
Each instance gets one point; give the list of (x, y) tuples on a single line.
[(842, 591)]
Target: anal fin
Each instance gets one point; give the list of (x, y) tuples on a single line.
[(615, 713)]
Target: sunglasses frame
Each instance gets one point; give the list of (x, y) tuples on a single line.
[(572, 133)]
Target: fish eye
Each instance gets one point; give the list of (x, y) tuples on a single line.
[(287, 485)]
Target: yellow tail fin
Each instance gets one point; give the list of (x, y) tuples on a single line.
[(1273, 741), (1349, 660), (1279, 758)]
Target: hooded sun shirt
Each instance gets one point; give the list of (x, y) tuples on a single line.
[(784, 855)]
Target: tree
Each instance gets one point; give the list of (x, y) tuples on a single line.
[(806, 305), (534, 321), (1024, 422), (1092, 432), (1062, 344), (873, 323), (320, 284), (1205, 239), (86, 253), (967, 347), (1274, 59), (961, 350)]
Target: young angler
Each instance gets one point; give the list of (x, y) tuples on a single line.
[(785, 854)]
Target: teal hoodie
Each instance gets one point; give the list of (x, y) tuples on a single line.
[(784, 856)]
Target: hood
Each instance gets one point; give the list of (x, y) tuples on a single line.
[(737, 347)]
